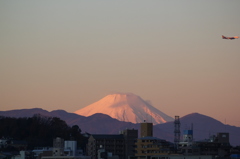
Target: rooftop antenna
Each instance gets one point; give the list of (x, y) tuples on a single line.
[(176, 131)]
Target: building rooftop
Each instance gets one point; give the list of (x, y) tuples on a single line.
[(106, 136), (149, 138)]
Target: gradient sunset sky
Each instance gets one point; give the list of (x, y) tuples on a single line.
[(66, 55)]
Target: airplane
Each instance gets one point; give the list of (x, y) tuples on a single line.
[(231, 38)]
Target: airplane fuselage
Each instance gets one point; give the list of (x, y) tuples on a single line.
[(231, 38)]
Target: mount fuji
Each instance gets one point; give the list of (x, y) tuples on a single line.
[(126, 107)]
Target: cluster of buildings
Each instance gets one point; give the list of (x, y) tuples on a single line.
[(128, 145)]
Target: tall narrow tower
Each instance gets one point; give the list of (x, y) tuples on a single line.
[(176, 130)]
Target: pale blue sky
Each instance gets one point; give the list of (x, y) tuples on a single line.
[(69, 54)]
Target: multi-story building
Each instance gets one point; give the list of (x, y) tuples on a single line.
[(58, 147), (152, 146), (216, 145), (147, 145), (111, 143), (146, 129), (122, 145), (130, 138)]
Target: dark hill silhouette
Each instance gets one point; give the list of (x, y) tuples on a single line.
[(203, 126), (24, 112), (97, 123), (104, 124)]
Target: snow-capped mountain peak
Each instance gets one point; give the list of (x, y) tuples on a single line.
[(125, 107)]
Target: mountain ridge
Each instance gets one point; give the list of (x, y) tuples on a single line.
[(125, 107), (203, 125)]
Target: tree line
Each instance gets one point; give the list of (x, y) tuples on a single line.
[(39, 130)]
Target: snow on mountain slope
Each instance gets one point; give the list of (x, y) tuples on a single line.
[(125, 107)]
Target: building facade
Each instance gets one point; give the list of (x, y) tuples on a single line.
[(147, 145), (146, 129), (152, 146), (111, 143), (122, 145)]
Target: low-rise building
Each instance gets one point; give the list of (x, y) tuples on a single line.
[(216, 145), (24, 155), (61, 150)]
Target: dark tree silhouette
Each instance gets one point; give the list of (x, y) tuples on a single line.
[(38, 130)]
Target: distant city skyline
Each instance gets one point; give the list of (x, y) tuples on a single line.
[(69, 54)]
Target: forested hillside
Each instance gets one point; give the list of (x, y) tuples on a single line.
[(38, 131)]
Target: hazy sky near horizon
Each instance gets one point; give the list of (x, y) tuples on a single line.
[(68, 54)]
